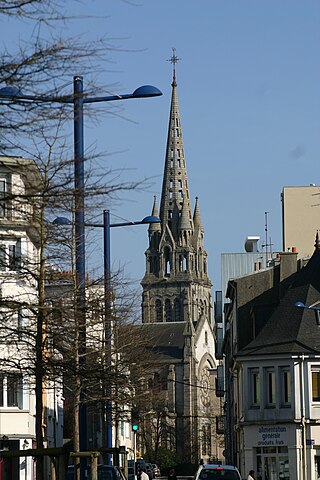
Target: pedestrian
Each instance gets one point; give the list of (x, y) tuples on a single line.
[(172, 474), (143, 474), (251, 475)]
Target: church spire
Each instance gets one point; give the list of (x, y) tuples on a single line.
[(175, 191), (176, 284)]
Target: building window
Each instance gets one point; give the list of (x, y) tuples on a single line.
[(270, 383), (315, 385), (167, 261), (204, 440), (10, 255), (3, 202), (159, 317), (168, 311), (255, 387), (11, 391), (177, 310), (285, 378)]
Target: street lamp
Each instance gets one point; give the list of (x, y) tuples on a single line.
[(106, 225), (78, 99), (310, 307)]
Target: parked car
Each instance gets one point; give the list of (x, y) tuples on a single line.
[(156, 471), (213, 471), (105, 472), (149, 471)]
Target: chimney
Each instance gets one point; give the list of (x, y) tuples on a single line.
[(288, 264)]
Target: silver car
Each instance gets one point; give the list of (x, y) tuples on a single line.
[(210, 471)]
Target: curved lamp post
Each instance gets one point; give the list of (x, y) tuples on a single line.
[(310, 307), (106, 225), (78, 99)]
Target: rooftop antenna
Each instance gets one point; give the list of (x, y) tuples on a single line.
[(266, 231), (267, 244)]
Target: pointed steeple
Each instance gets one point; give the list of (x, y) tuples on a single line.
[(175, 191), (185, 221), (317, 243), (155, 227), (176, 284), (197, 217)]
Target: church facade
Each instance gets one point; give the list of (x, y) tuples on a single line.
[(177, 316)]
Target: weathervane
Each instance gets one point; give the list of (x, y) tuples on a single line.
[(174, 59)]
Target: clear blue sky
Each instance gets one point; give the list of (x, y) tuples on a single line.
[(249, 96)]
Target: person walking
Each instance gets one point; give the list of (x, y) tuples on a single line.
[(172, 474), (143, 474), (251, 475)]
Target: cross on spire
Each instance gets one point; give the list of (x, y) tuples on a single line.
[(174, 59)]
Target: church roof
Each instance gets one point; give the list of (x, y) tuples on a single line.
[(166, 339), (293, 330)]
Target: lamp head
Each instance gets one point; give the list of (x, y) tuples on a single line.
[(146, 91), (62, 221), (151, 219), (10, 91), (300, 304)]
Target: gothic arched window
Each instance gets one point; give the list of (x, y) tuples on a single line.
[(177, 310), (168, 311), (150, 261), (167, 261), (159, 316)]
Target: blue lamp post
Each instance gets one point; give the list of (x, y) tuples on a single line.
[(107, 291), (106, 225), (78, 100)]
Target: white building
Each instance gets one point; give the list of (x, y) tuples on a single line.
[(19, 261)]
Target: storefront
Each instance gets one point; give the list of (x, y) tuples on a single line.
[(273, 451)]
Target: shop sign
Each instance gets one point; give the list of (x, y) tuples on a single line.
[(272, 436)]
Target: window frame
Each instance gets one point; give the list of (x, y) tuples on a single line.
[(10, 254), (270, 387), (285, 387), (255, 387), (11, 391), (315, 370)]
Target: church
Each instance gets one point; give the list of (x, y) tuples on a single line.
[(177, 316)]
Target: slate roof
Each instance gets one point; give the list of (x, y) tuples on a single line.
[(290, 329), (166, 339)]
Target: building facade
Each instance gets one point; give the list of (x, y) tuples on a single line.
[(177, 311), (271, 369), (300, 202), (19, 262)]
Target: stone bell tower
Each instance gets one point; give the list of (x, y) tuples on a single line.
[(176, 285)]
